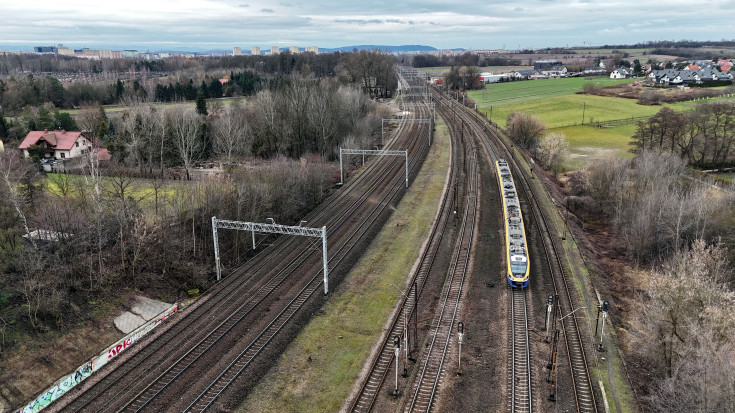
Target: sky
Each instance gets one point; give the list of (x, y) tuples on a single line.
[(222, 24)]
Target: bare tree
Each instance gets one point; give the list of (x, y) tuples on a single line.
[(683, 332), (186, 127), (12, 169), (553, 150), (525, 129), (231, 133)]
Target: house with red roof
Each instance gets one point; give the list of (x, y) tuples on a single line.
[(57, 144)]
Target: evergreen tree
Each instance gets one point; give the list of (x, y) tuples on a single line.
[(201, 103), (3, 126), (44, 121), (637, 68), (119, 89), (64, 121), (215, 89)]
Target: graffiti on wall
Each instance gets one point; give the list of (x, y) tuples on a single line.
[(87, 369), (57, 391), (131, 338)]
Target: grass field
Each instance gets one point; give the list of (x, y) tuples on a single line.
[(588, 143), (499, 94), (556, 103), (318, 369), (139, 191), (571, 110)]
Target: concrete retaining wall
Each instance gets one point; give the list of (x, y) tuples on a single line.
[(85, 370)]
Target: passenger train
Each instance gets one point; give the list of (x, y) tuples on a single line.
[(515, 233)]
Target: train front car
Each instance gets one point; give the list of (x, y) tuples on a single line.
[(515, 234)]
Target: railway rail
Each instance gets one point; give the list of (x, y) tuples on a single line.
[(237, 303), (432, 361), (380, 366), (521, 384), (583, 390)]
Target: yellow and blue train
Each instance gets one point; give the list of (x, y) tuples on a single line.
[(515, 233)]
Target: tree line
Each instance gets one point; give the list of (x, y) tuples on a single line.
[(675, 232), (107, 232), (247, 75), (464, 59), (301, 116), (704, 137)]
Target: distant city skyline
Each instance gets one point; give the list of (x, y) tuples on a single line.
[(191, 25)]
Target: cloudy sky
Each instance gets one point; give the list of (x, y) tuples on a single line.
[(222, 24)]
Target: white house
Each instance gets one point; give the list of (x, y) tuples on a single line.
[(57, 144), (621, 73)]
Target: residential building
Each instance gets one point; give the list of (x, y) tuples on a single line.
[(57, 144), (621, 73), (678, 77), (542, 65), (64, 51), (555, 71), (236, 51), (293, 49), (275, 50), (313, 49), (526, 74), (255, 51), (44, 49)]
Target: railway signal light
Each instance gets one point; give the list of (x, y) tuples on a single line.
[(605, 309), (549, 310), (397, 349)]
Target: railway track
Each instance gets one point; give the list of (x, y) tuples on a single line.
[(399, 325), (380, 366), (384, 361), (293, 256), (583, 390), (521, 384), (432, 361)]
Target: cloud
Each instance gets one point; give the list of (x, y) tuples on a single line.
[(359, 21), (332, 23)]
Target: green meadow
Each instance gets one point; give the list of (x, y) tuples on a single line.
[(557, 103), (502, 94), (143, 192)]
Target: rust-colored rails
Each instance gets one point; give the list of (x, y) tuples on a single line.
[(336, 220), (381, 363), (425, 388), (571, 331), (520, 382)]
